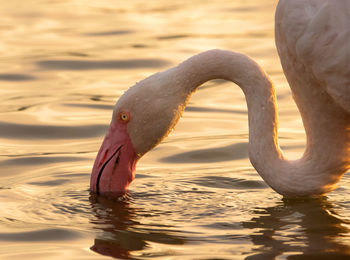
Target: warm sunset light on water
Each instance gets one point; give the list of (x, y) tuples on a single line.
[(196, 195)]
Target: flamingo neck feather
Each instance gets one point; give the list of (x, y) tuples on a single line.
[(304, 177)]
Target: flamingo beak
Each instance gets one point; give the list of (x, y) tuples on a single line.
[(115, 163)]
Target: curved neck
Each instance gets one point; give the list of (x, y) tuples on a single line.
[(289, 178), (257, 87)]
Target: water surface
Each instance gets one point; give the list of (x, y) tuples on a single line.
[(63, 64)]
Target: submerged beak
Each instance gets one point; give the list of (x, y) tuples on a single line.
[(104, 162), (115, 163)]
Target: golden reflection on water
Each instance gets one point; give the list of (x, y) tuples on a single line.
[(64, 64)]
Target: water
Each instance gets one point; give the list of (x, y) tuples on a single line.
[(196, 196)]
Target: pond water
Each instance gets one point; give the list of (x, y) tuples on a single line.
[(63, 65)]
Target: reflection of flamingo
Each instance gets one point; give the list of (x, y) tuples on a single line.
[(309, 228), (313, 43), (122, 233), (114, 218)]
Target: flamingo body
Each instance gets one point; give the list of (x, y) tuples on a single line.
[(315, 35)]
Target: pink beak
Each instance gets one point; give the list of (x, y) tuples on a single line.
[(115, 164)]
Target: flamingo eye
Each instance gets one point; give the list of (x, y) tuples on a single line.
[(124, 116)]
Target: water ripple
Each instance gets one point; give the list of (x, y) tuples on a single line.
[(214, 110), (109, 33), (172, 37), (26, 131), (229, 183), (16, 77), (55, 234), (101, 64), (227, 153), (92, 106), (33, 160)]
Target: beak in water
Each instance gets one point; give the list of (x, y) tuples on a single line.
[(115, 163)]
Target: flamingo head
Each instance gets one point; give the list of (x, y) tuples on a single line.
[(142, 117)]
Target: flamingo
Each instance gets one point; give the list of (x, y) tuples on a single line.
[(312, 39)]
